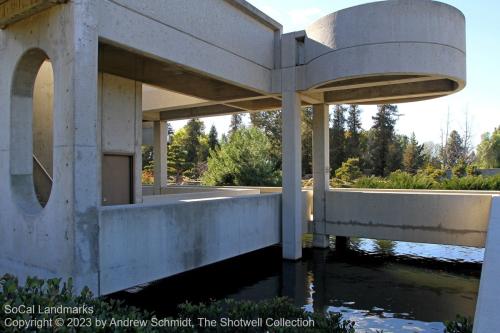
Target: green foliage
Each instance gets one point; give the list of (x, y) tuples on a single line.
[(243, 161), (49, 293), (306, 135), (454, 150), (338, 137), (488, 151), (353, 134), (383, 139), (404, 180), (349, 171), (270, 124), (236, 123), (413, 157), (213, 142), (459, 169), (147, 157), (275, 308), (460, 325)]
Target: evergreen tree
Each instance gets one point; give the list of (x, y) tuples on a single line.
[(194, 130), (213, 142), (383, 138), (353, 137), (244, 160), (306, 135), (270, 124), (177, 155), (488, 151), (454, 149), (337, 137), (236, 123), (413, 157)]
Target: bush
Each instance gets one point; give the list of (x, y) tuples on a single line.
[(403, 180), (460, 325), (243, 161), (37, 292), (349, 171)]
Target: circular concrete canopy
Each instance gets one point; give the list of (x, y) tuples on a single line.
[(387, 52)]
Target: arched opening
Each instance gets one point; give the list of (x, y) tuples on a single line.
[(31, 138)]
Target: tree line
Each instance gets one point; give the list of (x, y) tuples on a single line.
[(251, 154)]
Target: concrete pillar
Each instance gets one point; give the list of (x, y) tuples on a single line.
[(321, 172), (160, 155), (292, 151), (488, 301), (292, 177)]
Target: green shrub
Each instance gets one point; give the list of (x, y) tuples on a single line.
[(404, 180), (37, 292), (460, 325), (349, 171)]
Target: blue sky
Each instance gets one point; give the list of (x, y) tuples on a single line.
[(480, 99)]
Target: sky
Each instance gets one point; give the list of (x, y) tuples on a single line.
[(479, 101)]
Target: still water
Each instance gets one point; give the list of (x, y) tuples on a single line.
[(395, 286)]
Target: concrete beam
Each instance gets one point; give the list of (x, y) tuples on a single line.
[(12, 11), (160, 155), (392, 93), (321, 171), (201, 111), (163, 74)]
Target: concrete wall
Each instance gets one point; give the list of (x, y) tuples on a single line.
[(448, 217), (142, 243), (60, 239), (121, 126)]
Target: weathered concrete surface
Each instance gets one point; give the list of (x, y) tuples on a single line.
[(448, 217), (142, 243), (488, 303), (120, 102), (61, 239), (321, 171)]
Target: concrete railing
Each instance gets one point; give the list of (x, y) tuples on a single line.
[(441, 217), (145, 242)]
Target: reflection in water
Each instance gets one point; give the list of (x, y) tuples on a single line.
[(377, 284)]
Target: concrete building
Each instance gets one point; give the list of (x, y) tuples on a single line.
[(80, 80)]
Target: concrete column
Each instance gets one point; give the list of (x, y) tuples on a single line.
[(488, 301), (292, 176), (292, 151), (321, 172), (160, 155)]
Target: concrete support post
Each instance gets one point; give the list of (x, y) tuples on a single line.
[(80, 86), (292, 172), (160, 155), (292, 151), (321, 172), (488, 301)]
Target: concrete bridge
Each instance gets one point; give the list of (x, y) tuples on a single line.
[(80, 80)]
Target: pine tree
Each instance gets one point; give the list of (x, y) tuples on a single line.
[(353, 148), (413, 157), (383, 138), (236, 123), (454, 149), (194, 130), (306, 135), (213, 142), (337, 138), (270, 123)]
